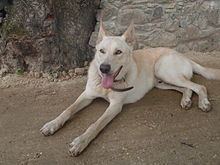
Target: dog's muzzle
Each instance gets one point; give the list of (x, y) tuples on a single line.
[(105, 69)]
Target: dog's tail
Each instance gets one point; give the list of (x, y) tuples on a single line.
[(209, 73)]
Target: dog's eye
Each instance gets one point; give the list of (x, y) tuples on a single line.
[(102, 51), (118, 52)]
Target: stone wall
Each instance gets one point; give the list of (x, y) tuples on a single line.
[(181, 24)]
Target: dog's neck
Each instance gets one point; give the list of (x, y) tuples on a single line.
[(131, 75)]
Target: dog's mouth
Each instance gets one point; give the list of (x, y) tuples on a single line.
[(108, 80)]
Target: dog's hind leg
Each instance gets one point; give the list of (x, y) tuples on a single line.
[(186, 102), (204, 103), (81, 142), (177, 70), (52, 126)]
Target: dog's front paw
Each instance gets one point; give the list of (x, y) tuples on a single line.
[(49, 128), (78, 145), (205, 105), (186, 103)]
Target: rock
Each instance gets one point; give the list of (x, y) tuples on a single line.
[(171, 25), (93, 39), (45, 75), (31, 74), (86, 63), (64, 73), (157, 13), (126, 15), (182, 48), (37, 74), (213, 17), (55, 75), (3, 72), (71, 71), (67, 77), (108, 12), (80, 71), (162, 38), (71, 74)]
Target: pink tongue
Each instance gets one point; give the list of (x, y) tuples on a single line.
[(107, 81)]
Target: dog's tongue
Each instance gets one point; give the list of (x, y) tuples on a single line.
[(107, 81)]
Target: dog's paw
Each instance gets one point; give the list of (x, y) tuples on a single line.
[(205, 105), (49, 128), (78, 145), (186, 103)]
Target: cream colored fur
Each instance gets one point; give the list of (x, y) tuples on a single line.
[(144, 69)]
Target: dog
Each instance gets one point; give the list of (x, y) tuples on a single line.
[(122, 76)]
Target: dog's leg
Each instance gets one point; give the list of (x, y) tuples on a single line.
[(52, 126), (204, 103), (81, 142), (186, 102)]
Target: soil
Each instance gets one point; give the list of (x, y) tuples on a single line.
[(154, 130)]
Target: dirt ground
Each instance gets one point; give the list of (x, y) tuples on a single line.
[(155, 130)]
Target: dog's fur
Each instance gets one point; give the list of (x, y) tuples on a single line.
[(143, 70)]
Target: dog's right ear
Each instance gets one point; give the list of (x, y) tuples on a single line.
[(102, 32)]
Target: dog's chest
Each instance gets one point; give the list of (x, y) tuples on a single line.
[(141, 87)]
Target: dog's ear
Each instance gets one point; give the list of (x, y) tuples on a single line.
[(129, 34), (102, 32)]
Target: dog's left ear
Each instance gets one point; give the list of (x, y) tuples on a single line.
[(129, 34)]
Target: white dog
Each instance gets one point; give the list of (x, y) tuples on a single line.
[(121, 76)]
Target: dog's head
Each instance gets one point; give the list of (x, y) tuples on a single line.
[(113, 55)]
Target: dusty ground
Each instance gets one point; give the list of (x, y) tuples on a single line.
[(154, 130)]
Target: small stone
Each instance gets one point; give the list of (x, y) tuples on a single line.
[(25, 73), (55, 75), (79, 71), (50, 78), (37, 74), (71, 71), (31, 74), (45, 75), (86, 63), (171, 6), (71, 74), (64, 73), (8, 86), (67, 77), (158, 12)]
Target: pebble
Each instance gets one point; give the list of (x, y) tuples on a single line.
[(67, 77), (31, 74), (55, 75), (79, 71), (71, 71), (64, 73), (37, 74), (86, 63), (45, 75), (3, 72), (71, 74)]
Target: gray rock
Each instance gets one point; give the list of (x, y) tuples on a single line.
[(125, 16), (80, 71), (157, 13)]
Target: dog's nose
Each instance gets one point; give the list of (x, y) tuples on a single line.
[(105, 68)]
